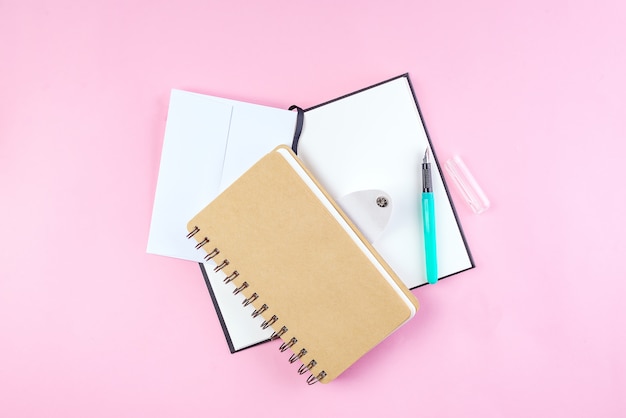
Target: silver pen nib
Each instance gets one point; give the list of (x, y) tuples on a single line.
[(427, 182)]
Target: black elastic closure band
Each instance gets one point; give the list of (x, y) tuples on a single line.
[(299, 125)]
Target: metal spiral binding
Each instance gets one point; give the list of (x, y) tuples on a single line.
[(313, 378), (252, 298), (295, 357), (305, 368), (288, 344), (193, 232), (231, 277), (212, 254), (221, 266), (259, 311), (201, 243), (269, 322), (240, 288), (277, 334)]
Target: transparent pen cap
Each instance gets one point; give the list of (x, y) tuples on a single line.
[(467, 185)]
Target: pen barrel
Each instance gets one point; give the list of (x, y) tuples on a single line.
[(427, 182), (430, 237)]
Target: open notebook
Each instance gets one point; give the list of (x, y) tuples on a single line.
[(370, 139), (295, 257)]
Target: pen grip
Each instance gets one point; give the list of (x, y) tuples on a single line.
[(430, 237)]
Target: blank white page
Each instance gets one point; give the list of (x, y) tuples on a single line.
[(255, 130), (192, 158)]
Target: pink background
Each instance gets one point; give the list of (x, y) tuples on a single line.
[(530, 93)]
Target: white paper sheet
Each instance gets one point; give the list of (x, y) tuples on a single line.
[(255, 130), (190, 172)]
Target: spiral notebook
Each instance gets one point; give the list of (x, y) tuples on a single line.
[(370, 139), (289, 253)]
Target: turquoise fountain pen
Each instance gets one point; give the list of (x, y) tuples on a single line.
[(428, 218)]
